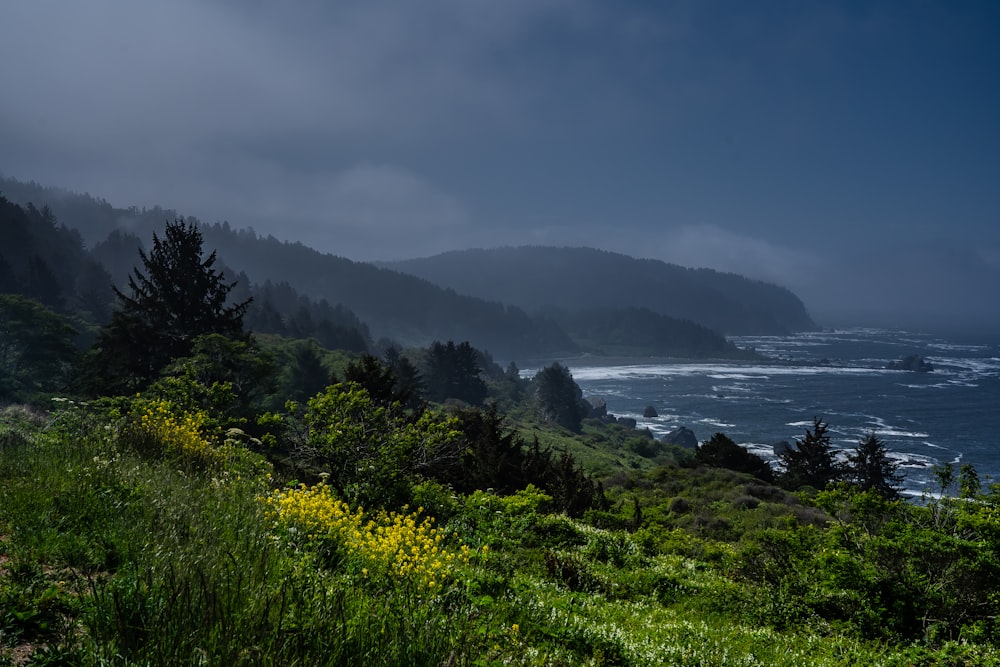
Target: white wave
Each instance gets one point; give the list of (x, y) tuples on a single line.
[(957, 347), (896, 433), (733, 388), (735, 376), (714, 371), (802, 424), (716, 423)]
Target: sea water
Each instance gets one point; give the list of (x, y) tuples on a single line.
[(951, 414)]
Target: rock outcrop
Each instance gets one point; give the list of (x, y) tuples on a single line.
[(913, 362), (598, 406), (682, 436)]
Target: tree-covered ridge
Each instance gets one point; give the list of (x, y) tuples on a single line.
[(43, 259), (495, 306), (392, 304), (92, 217), (575, 279), (641, 332)]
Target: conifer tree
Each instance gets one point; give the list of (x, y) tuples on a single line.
[(871, 469), (811, 462), (36, 348), (176, 297), (559, 397), (453, 371), (722, 452)]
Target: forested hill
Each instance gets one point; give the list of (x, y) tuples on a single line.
[(540, 278), (404, 308), (408, 309), (301, 292)]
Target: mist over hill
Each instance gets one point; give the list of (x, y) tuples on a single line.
[(518, 303), (406, 309), (575, 279)]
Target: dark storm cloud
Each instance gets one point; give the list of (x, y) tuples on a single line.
[(804, 144)]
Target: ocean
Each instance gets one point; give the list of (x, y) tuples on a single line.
[(949, 414)]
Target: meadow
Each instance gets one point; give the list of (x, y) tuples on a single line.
[(133, 532)]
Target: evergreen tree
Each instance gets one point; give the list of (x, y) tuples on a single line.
[(42, 284), (177, 297), (871, 469), (36, 348), (559, 398), (811, 462), (409, 386), (376, 378), (307, 375), (227, 376), (492, 456), (453, 371), (722, 452)]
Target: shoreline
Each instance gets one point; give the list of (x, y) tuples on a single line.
[(609, 361)]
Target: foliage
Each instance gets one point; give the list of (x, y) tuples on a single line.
[(452, 371), (394, 382), (372, 453), (307, 374), (43, 260), (390, 545), (37, 348), (558, 397), (871, 469), (887, 570), (811, 461), (177, 297), (643, 332), (721, 452), (123, 557), (222, 365), (283, 310)]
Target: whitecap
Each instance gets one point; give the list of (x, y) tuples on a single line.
[(716, 423), (897, 433)]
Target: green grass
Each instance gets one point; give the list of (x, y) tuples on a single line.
[(602, 449), (109, 556)]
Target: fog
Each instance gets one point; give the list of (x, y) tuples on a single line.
[(849, 153)]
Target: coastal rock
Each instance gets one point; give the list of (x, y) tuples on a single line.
[(598, 406), (682, 436), (627, 422), (913, 362), (650, 412), (781, 447)]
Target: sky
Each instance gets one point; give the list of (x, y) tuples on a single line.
[(847, 150)]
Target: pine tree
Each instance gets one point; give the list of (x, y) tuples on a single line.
[(559, 397), (811, 462), (871, 469), (722, 452), (453, 371), (36, 348), (177, 297)]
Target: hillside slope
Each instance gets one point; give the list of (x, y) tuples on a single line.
[(539, 278)]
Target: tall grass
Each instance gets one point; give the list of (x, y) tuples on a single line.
[(113, 555)]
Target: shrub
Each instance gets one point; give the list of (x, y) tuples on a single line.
[(391, 545), (746, 503)]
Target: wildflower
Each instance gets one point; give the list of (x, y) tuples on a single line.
[(399, 545)]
